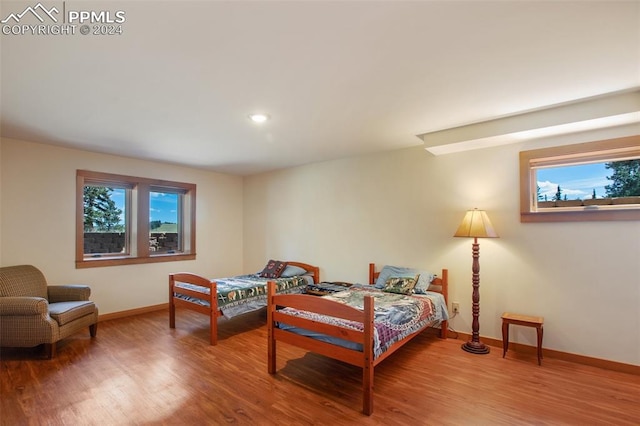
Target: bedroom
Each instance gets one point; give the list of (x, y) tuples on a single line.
[(555, 270)]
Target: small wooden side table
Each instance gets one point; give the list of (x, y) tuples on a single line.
[(524, 320)]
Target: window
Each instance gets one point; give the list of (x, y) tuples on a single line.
[(588, 181), (105, 219), (166, 223), (128, 220)]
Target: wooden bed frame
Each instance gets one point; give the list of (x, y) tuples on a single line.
[(212, 298), (320, 305)]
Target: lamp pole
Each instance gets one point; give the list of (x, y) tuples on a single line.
[(475, 345)]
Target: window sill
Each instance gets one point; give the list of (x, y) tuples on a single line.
[(580, 215), (99, 262)]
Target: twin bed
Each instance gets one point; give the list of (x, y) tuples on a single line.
[(361, 325), (233, 296)]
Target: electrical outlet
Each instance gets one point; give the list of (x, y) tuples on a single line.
[(455, 307)]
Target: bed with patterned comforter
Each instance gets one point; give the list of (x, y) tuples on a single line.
[(233, 296), (243, 293), (361, 326), (396, 316)]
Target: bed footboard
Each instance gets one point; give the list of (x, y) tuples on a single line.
[(212, 299), (363, 359)]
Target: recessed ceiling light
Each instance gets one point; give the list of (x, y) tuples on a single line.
[(259, 118)]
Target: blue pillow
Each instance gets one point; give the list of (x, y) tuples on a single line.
[(389, 271), (292, 271)]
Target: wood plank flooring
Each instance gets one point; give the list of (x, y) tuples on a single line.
[(139, 372)]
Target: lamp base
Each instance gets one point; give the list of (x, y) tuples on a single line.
[(475, 347)]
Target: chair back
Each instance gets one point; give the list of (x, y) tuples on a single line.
[(22, 280)]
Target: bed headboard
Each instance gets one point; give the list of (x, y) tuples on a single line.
[(439, 284), (315, 270)]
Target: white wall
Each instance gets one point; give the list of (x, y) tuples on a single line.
[(402, 208), (37, 199)]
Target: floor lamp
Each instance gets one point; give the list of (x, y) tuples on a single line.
[(476, 224)]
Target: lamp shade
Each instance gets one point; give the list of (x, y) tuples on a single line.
[(476, 224)]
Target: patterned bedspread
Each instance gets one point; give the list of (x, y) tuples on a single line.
[(245, 291), (395, 316)]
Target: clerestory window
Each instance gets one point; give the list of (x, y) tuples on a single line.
[(589, 181)]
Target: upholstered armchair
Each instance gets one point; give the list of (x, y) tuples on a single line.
[(34, 313)]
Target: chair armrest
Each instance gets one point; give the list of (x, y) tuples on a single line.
[(23, 306), (68, 293)]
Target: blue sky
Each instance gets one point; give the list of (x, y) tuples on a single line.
[(576, 182), (162, 206)]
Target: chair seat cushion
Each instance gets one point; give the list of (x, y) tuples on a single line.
[(66, 312)]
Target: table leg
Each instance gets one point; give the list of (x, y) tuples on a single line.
[(505, 338), (540, 332)]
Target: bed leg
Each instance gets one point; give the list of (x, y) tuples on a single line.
[(172, 306), (444, 329), (367, 368), (213, 327), (272, 354), (172, 315), (271, 342), (213, 314), (367, 385)]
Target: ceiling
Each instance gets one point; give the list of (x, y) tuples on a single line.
[(338, 78)]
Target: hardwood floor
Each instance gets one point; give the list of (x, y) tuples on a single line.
[(139, 372)]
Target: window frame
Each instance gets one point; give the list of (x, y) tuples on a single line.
[(600, 151), (138, 211)]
